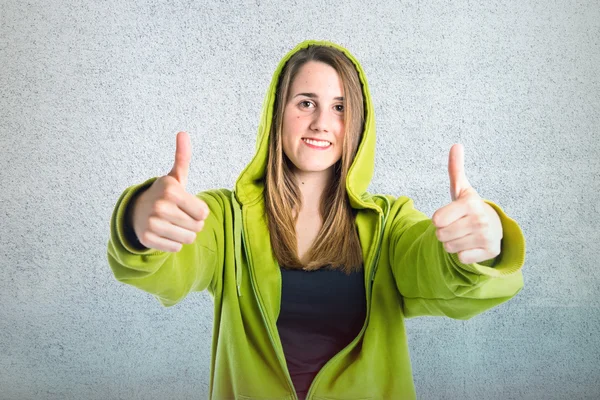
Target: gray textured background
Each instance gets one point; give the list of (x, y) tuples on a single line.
[(92, 96)]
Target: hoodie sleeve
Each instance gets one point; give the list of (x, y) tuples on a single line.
[(166, 275), (434, 282)]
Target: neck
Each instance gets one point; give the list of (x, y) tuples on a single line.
[(312, 185)]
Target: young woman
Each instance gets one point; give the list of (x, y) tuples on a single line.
[(312, 276)]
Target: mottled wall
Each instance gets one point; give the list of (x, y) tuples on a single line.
[(92, 96)]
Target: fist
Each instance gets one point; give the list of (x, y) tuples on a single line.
[(467, 226), (165, 216)]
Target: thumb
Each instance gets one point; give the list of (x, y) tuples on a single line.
[(456, 171), (183, 155)]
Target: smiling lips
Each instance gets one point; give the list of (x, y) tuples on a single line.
[(317, 144)]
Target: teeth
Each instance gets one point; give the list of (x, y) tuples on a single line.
[(320, 143)]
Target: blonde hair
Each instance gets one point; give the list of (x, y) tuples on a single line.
[(337, 244)]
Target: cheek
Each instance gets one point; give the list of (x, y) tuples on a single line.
[(288, 122), (340, 132), (291, 122), (340, 139), (287, 136), (292, 130)]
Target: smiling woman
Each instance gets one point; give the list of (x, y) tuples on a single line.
[(318, 99), (312, 276)]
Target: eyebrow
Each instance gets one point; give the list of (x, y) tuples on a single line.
[(314, 96)]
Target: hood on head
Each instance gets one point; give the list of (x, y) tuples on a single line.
[(249, 185)]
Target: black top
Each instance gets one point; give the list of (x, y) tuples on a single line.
[(321, 312)]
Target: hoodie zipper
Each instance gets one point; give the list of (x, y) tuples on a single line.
[(376, 263), (282, 361), (382, 220)]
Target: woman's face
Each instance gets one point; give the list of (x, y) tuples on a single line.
[(313, 119)]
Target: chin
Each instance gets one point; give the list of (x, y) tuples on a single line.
[(313, 168), (309, 164)]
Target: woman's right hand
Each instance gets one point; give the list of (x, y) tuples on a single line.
[(165, 216)]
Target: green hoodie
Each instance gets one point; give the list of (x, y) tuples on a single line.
[(408, 273)]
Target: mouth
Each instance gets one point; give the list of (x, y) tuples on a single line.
[(321, 144)]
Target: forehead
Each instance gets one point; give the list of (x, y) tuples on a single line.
[(319, 78)]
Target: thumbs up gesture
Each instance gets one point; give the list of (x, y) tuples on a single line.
[(467, 226), (165, 216)]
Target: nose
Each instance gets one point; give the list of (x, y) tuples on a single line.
[(321, 121)]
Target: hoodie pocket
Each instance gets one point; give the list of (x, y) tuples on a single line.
[(242, 397)]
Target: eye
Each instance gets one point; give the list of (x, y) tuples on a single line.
[(305, 104), (339, 108)]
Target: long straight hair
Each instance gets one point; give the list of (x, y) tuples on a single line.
[(337, 244)]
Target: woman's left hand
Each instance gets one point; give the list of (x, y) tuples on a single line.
[(467, 226)]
